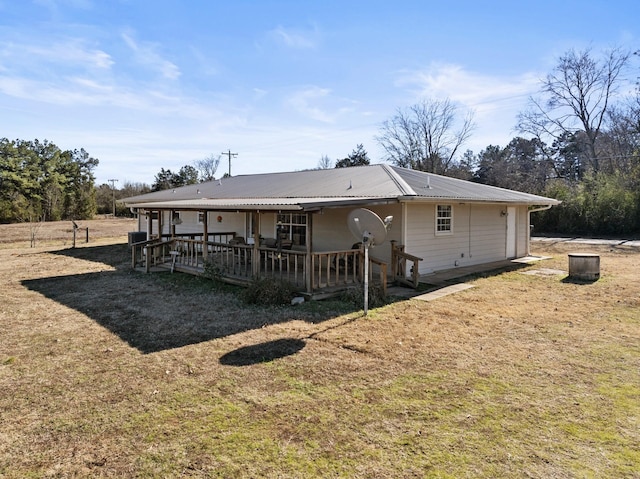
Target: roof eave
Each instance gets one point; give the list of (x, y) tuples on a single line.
[(515, 201)]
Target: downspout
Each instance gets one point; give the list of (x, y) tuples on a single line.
[(540, 208)]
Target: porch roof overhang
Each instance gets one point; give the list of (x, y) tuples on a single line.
[(262, 204)]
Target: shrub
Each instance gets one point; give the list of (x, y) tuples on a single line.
[(269, 291), (600, 204), (355, 296), (214, 272)]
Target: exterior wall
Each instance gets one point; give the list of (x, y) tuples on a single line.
[(479, 235), (231, 222), (479, 231), (331, 232)]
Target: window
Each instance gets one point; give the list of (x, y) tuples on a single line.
[(294, 227), (444, 219), (201, 217)]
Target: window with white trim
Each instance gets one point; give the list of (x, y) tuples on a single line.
[(293, 226), (444, 219)]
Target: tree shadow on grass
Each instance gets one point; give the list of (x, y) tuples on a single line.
[(161, 311), (263, 352)]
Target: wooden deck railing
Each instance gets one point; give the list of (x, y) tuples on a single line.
[(236, 262), (382, 272), (399, 260), (335, 268)]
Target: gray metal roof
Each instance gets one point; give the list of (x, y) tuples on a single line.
[(312, 189)]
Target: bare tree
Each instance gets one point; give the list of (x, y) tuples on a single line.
[(324, 163), (423, 137), (207, 167), (576, 96)]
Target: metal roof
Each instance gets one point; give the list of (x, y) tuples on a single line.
[(313, 189)]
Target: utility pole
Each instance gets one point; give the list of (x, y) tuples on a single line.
[(230, 155), (113, 191)]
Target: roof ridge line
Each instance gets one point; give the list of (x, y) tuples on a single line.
[(402, 185)]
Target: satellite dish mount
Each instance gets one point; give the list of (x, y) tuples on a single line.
[(371, 230)]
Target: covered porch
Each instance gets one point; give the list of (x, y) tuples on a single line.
[(315, 274), (303, 247)]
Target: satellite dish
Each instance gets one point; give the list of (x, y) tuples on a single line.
[(367, 227)]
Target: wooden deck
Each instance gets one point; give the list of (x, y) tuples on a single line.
[(315, 274)]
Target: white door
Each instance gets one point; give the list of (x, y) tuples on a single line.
[(511, 232)]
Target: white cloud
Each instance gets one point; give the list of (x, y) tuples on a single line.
[(305, 102), (495, 100), (319, 104), (476, 91), (64, 54), (146, 55), (297, 39)]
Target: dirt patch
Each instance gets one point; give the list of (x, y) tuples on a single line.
[(545, 272)]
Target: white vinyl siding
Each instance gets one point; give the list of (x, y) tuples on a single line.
[(479, 236)]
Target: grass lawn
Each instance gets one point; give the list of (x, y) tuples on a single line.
[(105, 372)]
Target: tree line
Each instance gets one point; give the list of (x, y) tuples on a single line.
[(578, 141), (41, 182)]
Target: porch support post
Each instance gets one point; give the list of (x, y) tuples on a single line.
[(394, 265), (205, 235), (255, 263), (149, 224), (173, 226), (307, 259)]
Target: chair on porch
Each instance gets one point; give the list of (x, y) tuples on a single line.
[(343, 263)]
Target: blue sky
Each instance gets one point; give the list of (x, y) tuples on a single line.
[(150, 84)]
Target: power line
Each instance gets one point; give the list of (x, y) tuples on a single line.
[(230, 155)]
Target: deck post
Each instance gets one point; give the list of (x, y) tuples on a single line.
[(255, 263), (149, 224), (308, 265), (394, 260), (205, 235)]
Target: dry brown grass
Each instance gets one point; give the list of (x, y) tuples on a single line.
[(110, 373), (61, 232)]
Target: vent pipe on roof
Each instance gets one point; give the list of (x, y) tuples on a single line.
[(428, 182), (350, 185)]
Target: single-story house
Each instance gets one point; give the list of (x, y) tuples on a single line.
[(294, 225)]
